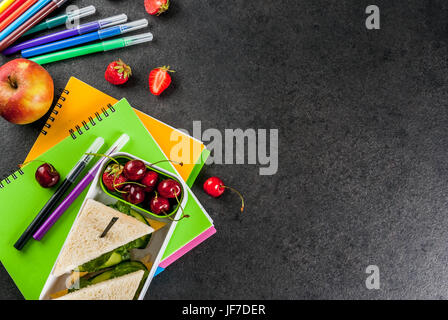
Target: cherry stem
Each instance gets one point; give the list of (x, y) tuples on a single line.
[(169, 217), (102, 155), (238, 193), (172, 161), (174, 220), (24, 164), (180, 206), (53, 169), (124, 183)]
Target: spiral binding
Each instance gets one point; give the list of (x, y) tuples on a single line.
[(13, 176), (85, 125), (55, 111), (92, 121)]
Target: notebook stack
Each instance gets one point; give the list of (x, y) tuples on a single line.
[(81, 115)]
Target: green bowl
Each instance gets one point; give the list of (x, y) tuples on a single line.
[(162, 176)]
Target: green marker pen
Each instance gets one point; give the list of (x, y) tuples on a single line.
[(93, 48), (62, 19)]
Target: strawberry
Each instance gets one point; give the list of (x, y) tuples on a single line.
[(113, 177), (118, 72), (159, 80), (156, 7)]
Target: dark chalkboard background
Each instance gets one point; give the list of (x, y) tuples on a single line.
[(362, 118)]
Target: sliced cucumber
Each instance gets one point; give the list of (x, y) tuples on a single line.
[(107, 275), (138, 216), (115, 258), (120, 270), (142, 242), (126, 209)]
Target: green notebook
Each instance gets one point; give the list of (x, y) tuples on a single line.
[(21, 198)]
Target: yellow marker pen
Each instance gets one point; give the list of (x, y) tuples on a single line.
[(5, 4)]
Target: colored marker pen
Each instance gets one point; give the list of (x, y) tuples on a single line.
[(26, 22), (40, 4), (90, 37), (5, 4), (75, 193), (93, 48), (82, 29), (62, 19), (58, 194)]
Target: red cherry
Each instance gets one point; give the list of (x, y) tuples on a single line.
[(215, 188), (133, 194), (113, 178), (169, 189), (150, 180), (112, 183), (47, 176), (159, 204), (134, 170)]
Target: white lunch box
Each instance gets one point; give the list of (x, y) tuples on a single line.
[(156, 246)]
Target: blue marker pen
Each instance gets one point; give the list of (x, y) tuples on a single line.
[(90, 37)]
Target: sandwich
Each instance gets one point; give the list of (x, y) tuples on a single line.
[(96, 257), (123, 282)]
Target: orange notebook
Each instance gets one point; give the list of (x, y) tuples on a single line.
[(78, 100)]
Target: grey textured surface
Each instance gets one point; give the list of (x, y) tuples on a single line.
[(362, 121)]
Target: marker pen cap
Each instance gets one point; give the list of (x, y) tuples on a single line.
[(140, 38), (123, 28), (112, 21)]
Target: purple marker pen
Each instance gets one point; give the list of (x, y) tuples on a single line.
[(82, 29), (51, 220)]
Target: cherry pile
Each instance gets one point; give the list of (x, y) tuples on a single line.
[(142, 186)]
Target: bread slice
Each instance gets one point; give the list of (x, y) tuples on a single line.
[(121, 288), (84, 244)]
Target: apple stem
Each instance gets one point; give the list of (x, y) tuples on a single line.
[(238, 193), (12, 83)]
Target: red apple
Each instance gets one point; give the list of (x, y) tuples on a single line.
[(26, 91)]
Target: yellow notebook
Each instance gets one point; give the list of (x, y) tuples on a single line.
[(79, 100)]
